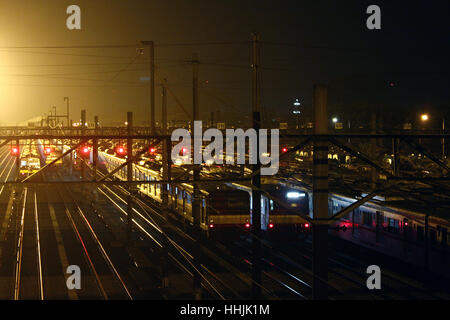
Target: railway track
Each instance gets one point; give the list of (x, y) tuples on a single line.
[(48, 230)]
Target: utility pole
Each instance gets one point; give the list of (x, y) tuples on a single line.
[(165, 155), (56, 119), (166, 151), (320, 195), (151, 48), (130, 173), (18, 157), (256, 179), (373, 144), (95, 149), (67, 101), (443, 139), (396, 147), (83, 128), (196, 176)]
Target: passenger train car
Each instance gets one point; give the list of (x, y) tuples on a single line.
[(221, 208), (30, 161), (396, 231), (281, 214), (390, 229)]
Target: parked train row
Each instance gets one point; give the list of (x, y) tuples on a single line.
[(222, 206), (392, 230), (30, 161)]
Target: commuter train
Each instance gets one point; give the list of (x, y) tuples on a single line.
[(379, 225), (396, 231), (221, 207), (30, 161), (51, 153), (281, 213), (224, 206)]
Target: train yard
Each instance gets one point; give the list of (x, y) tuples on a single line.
[(156, 256)]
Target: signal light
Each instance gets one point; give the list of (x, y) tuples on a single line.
[(152, 150), (271, 225), (284, 149), (184, 150), (15, 151), (211, 226), (306, 225), (47, 150), (120, 150), (247, 225), (85, 151)]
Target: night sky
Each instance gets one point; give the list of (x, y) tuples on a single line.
[(400, 70)]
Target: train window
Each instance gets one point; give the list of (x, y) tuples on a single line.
[(203, 212), (367, 218), (393, 225)]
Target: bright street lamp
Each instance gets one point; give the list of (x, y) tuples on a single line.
[(424, 117)]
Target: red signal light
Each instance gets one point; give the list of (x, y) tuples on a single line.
[(15, 151), (306, 225), (284, 149), (211, 226), (247, 225), (120, 150), (48, 150), (271, 225), (152, 150), (85, 151)]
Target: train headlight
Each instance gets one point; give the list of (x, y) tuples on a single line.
[(295, 195)]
